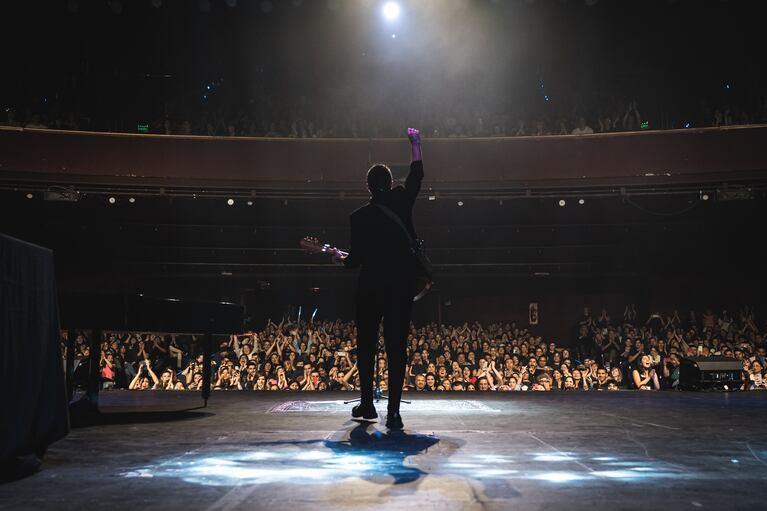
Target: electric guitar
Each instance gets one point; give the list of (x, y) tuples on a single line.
[(423, 279)]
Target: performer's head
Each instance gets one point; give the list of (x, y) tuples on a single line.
[(379, 179)]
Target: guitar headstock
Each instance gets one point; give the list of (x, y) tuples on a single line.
[(313, 245)]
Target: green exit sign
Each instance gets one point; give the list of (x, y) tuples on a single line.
[(142, 128), (645, 125)]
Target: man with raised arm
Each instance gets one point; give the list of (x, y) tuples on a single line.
[(380, 247)]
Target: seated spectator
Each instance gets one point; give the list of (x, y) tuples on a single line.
[(756, 380), (602, 380), (543, 383), (616, 376), (644, 376), (582, 128)]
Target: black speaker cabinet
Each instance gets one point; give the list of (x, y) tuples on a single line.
[(710, 373)]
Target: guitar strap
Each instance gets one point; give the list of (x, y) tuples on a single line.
[(395, 217), (420, 257)]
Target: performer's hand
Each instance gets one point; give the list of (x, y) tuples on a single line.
[(414, 136), (338, 260)]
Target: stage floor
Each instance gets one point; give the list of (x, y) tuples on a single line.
[(622, 450)]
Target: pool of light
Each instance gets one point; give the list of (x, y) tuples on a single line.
[(368, 453)]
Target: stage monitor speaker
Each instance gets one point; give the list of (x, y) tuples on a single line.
[(710, 373)]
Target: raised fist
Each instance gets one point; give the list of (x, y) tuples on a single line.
[(414, 136)]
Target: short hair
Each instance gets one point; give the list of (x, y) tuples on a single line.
[(379, 178)]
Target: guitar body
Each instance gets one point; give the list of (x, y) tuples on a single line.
[(423, 279)]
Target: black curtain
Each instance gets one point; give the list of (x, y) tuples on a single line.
[(32, 385)]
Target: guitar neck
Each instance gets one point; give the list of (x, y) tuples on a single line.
[(315, 246)]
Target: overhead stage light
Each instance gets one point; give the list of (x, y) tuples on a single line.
[(562, 203), (131, 200), (112, 200), (29, 196), (230, 202), (391, 10), (581, 202)]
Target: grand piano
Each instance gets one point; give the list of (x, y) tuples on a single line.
[(142, 313)]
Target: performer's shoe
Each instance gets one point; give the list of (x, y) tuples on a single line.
[(394, 421), (366, 413)]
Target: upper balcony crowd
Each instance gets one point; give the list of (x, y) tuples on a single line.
[(302, 119)]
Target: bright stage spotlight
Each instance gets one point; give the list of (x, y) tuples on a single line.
[(562, 203), (391, 10), (230, 202), (112, 200)]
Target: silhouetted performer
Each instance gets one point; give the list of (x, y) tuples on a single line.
[(386, 281)]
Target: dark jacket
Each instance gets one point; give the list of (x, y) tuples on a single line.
[(378, 244)]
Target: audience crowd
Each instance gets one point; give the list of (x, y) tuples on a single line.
[(606, 353), (305, 120)]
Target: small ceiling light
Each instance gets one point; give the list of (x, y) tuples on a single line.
[(131, 200), (460, 203), (432, 197), (562, 203), (704, 196), (112, 200), (29, 196), (250, 203), (581, 202), (230, 202), (394, 36)]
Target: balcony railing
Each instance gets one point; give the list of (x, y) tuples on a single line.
[(38, 157)]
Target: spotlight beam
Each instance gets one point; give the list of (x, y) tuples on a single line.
[(391, 10)]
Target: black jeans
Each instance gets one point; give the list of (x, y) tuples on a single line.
[(390, 300)]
